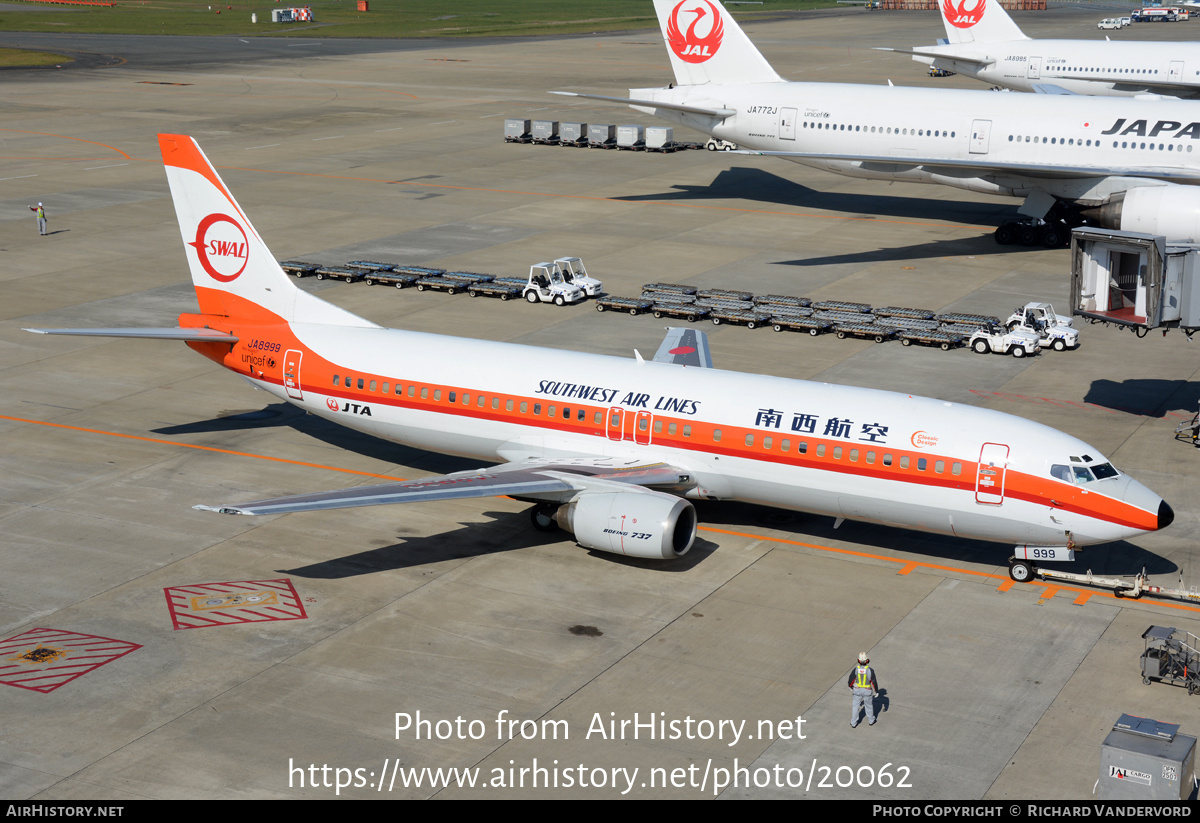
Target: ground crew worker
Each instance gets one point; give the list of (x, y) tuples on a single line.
[(41, 218), (864, 689)]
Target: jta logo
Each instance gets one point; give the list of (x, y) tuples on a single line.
[(221, 246), (959, 17), (692, 47)]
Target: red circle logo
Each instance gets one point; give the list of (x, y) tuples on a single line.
[(959, 17), (331, 403), (704, 31), (222, 247)]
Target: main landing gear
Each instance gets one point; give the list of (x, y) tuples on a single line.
[(1052, 232)]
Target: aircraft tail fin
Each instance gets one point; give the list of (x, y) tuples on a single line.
[(985, 22), (233, 271), (706, 45)]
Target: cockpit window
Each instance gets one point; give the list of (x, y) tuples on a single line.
[(1104, 471), (1061, 472), (1082, 475)]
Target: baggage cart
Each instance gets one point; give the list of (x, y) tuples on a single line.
[(398, 279), (751, 319), (842, 305), (688, 311), (423, 271), (930, 337), (632, 305), (572, 134), (661, 138), (1171, 656), (544, 132), (469, 276), (801, 322), (516, 131), (504, 292), (900, 311), (298, 268), (976, 320), (669, 297), (782, 300), (602, 136), (866, 331), (441, 284), (631, 137), (673, 287), (339, 273), (370, 265), (729, 294)]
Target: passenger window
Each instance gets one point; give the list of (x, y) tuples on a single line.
[(672, 428), (749, 440), (524, 407), (904, 462), (360, 382), (956, 468), (837, 452), (412, 390), (581, 415), (450, 397), (466, 399), (785, 445), (549, 410), (870, 458), (802, 447), (437, 394), (337, 379), (687, 431), (887, 460), (854, 455), (643, 424), (939, 466), (508, 405), (767, 442), (597, 417), (921, 464), (424, 392), (716, 435), (537, 408), (386, 388), (399, 390), (373, 384), (658, 427), (820, 450)]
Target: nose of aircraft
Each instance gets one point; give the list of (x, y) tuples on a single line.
[(1166, 515)]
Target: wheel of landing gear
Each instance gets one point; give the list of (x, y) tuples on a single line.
[(1020, 571), (543, 519), (1006, 235), (1028, 236), (1052, 239)]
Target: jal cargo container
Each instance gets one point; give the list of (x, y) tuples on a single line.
[(631, 137), (658, 137), (545, 131), (602, 136), (516, 131), (573, 134)]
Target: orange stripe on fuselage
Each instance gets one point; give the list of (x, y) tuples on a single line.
[(256, 322)]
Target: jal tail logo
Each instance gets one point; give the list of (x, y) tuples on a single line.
[(221, 246), (959, 17), (693, 47)]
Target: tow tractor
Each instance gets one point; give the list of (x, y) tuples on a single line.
[(573, 272), (1052, 331), (546, 285), (995, 338)]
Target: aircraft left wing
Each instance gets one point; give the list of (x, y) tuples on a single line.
[(658, 104), (551, 480)]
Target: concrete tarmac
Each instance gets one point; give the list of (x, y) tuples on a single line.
[(720, 675)]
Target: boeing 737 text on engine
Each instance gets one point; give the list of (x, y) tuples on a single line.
[(616, 460)]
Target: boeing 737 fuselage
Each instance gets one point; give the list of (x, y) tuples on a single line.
[(613, 449)]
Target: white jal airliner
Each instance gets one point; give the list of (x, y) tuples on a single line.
[(1123, 163), (612, 449), (983, 42)]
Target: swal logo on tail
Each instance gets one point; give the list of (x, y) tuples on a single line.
[(692, 47), (959, 17), (221, 246)]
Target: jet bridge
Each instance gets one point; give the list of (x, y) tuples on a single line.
[(1135, 280)]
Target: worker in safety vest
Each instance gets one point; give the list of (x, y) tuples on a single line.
[(864, 689), (41, 218)]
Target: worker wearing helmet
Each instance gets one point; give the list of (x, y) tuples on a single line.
[(864, 689)]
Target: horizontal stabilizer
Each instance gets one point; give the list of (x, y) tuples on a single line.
[(943, 55), (193, 335), (658, 104), (686, 347)]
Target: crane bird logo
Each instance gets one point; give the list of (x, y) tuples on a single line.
[(959, 17), (691, 47)]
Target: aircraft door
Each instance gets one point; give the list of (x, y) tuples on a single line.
[(989, 479), (1035, 68), (981, 131), (787, 124), (642, 428), (1176, 71), (291, 373), (616, 423)]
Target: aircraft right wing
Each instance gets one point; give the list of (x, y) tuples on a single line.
[(982, 165), (555, 480), (685, 347)]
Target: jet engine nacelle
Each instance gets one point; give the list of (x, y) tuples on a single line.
[(636, 524), (1171, 210)]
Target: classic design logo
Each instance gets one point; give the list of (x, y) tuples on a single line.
[(923, 440), (221, 246), (692, 47), (959, 17)]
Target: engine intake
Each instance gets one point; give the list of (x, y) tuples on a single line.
[(1170, 210), (636, 524)]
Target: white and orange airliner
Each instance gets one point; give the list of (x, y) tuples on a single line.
[(613, 449)]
